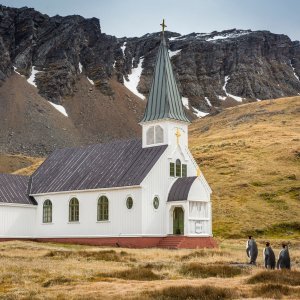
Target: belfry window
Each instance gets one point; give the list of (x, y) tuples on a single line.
[(74, 210), (150, 135), (102, 209), (154, 135), (178, 168), (47, 211), (159, 134)]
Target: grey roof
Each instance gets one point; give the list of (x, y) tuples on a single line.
[(180, 188), (164, 101), (13, 189), (115, 164)]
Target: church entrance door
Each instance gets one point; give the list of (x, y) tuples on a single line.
[(178, 221)]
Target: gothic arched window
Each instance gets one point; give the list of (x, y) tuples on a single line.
[(74, 210), (47, 211), (178, 168), (102, 209)]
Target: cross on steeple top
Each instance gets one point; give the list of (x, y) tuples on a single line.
[(163, 25), (178, 135)]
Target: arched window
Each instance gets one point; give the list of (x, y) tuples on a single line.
[(178, 168), (159, 134), (172, 169), (150, 136), (129, 202), (184, 170), (47, 211), (102, 210), (74, 210)]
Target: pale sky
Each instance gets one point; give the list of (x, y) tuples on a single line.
[(138, 17)]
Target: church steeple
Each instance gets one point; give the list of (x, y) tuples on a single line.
[(164, 101)]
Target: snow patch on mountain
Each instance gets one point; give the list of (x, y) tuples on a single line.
[(173, 53), (185, 102), (91, 81), (222, 36), (294, 70), (60, 108), (31, 79), (236, 98), (80, 67), (15, 70), (207, 101), (134, 79), (123, 47), (199, 113)]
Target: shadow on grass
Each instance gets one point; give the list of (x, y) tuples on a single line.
[(276, 277), (142, 274), (203, 253), (275, 291), (56, 281), (106, 255), (195, 269), (191, 293)]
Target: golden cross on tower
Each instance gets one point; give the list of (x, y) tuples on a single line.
[(178, 135), (163, 25)]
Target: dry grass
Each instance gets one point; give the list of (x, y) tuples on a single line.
[(275, 291), (250, 155), (276, 277), (191, 292), (136, 273), (49, 271), (195, 269), (19, 164)]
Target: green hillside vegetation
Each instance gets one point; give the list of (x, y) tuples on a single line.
[(250, 155)]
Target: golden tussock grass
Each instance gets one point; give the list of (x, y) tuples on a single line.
[(196, 269), (32, 270), (191, 292), (278, 277)]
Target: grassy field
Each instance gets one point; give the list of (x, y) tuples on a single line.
[(32, 270), (250, 155)]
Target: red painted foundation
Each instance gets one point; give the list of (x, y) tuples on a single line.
[(169, 242)]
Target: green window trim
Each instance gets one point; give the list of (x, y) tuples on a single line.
[(74, 210), (103, 209), (184, 170), (129, 202), (178, 168), (172, 169), (47, 211)]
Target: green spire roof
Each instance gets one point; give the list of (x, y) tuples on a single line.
[(164, 101)]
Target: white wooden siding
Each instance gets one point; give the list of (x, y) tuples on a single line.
[(17, 221)]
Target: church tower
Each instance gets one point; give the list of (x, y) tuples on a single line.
[(164, 121)]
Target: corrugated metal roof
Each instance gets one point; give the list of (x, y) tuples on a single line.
[(13, 189), (115, 164), (180, 189), (164, 101)]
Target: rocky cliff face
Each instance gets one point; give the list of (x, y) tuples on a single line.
[(209, 67), (223, 68), (64, 56)]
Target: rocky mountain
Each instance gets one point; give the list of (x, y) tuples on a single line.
[(55, 65)]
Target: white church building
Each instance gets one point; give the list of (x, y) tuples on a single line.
[(146, 192)]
